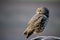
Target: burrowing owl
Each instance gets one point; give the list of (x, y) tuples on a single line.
[(37, 23)]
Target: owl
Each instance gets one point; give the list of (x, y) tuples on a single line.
[(38, 22)]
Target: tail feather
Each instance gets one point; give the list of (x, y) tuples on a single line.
[(28, 33)]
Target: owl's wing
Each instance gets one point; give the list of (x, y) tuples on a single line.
[(29, 30), (40, 24), (30, 26)]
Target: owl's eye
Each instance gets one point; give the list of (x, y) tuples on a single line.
[(40, 10)]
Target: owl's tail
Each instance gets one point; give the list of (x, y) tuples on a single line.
[(28, 33)]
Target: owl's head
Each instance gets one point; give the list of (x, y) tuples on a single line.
[(42, 10)]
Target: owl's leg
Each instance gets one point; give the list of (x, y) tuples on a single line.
[(38, 30)]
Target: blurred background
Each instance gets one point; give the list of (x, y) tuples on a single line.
[(15, 14)]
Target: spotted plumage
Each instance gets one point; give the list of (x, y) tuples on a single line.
[(38, 22)]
